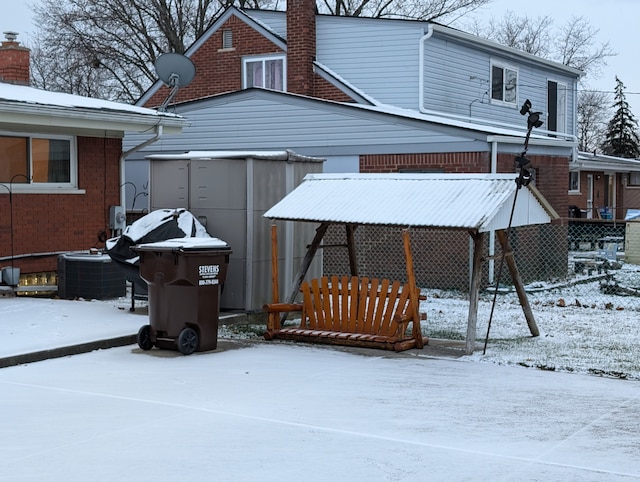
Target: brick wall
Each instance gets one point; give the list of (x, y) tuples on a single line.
[(45, 223), (462, 162), (219, 70)]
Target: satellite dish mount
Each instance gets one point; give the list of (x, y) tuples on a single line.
[(176, 71)]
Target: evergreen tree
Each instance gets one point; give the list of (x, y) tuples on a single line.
[(621, 138)]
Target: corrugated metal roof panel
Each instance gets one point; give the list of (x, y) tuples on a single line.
[(464, 201)]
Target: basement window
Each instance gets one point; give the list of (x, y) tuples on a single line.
[(264, 72), (29, 161)]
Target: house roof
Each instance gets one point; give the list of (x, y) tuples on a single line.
[(479, 202), (599, 162), (495, 46), (25, 108), (286, 155)]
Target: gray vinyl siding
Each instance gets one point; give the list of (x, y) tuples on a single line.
[(378, 57), (457, 81), (276, 21), (310, 128)]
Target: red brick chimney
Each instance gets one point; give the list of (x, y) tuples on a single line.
[(14, 61), (301, 45)]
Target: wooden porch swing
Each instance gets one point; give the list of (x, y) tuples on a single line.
[(347, 310)]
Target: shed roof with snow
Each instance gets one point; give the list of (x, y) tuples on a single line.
[(476, 202)]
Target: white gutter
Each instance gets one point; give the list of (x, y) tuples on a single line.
[(123, 188), (71, 116)]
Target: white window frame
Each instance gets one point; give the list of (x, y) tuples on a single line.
[(632, 175), (505, 68), (562, 107), (20, 185), (264, 59), (577, 175)]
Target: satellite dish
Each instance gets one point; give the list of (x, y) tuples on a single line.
[(176, 71)]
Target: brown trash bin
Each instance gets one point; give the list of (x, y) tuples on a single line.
[(184, 278)]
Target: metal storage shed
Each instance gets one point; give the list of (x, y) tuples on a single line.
[(229, 191), (477, 203)]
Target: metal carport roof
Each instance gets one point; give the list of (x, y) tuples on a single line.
[(476, 202)]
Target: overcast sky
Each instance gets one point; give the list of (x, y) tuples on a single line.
[(616, 20)]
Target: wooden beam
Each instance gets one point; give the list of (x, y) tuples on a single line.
[(273, 322), (274, 264), (351, 247), (474, 292), (517, 282), (306, 262), (413, 290)]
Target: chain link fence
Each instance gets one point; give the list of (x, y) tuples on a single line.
[(583, 263)]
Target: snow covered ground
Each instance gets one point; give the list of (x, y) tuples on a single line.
[(253, 410), (580, 330)]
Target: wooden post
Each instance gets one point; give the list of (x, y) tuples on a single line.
[(306, 262), (351, 247), (413, 294), (474, 292), (517, 282), (274, 264), (272, 318)]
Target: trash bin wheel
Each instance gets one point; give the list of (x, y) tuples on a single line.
[(188, 341), (144, 337)]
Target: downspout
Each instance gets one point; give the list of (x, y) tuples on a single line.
[(123, 190), (423, 41)]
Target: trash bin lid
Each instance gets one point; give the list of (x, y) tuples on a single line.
[(188, 243)]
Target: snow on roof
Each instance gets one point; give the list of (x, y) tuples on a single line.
[(31, 95), (601, 162), (481, 202), (286, 155)]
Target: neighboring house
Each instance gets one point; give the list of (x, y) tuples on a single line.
[(603, 187), (61, 165), (372, 95)]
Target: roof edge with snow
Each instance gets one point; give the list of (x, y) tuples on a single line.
[(477, 202)]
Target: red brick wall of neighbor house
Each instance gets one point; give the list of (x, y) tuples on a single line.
[(220, 70), (462, 162), (64, 222)]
